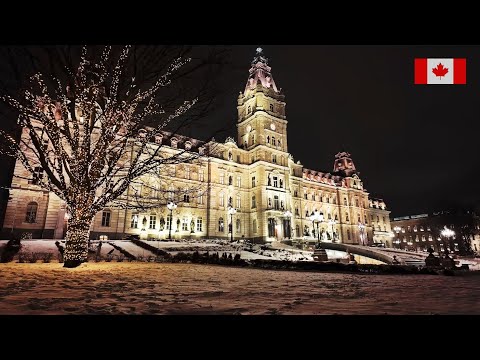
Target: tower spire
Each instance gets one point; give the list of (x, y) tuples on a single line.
[(260, 72)]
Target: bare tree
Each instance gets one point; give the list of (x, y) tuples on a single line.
[(90, 125)]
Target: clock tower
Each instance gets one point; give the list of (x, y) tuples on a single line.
[(261, 112)]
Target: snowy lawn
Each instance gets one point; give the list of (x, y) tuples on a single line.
[(152, 288)]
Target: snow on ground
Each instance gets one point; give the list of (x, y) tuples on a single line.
[(153, 288)]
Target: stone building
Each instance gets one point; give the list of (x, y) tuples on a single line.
[(419, 232), (274, 196)]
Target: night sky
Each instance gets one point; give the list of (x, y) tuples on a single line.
[(415, 146)]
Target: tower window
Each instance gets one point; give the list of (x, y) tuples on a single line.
[(274, 158), (268, 139), (273, 140), (249, 109), (271, 107)]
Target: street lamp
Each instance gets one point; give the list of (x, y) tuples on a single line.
[(332, 222), (231, 211), (171, 206), (317, 218), (361, 227), (448, 233), (286, 224)]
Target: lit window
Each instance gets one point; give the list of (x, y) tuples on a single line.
[(239, 202), (134, 222), (199, 224), (221, 225), (239, 181), (184, 224)]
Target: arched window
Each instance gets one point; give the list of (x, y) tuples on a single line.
[(296, 212), (221, 225), (346, 217), (254, 224), (230, 156), (268, 139), (31, 215), (238, 226), (230, 180), (254, 204), (230, 201), (348, 234)]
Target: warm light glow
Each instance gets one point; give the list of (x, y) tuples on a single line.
[(317, 216), (397, 229), (447, 232), (287, 214), (171, 206), (232, 211)]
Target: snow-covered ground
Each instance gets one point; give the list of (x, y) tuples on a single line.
[(153, 288)]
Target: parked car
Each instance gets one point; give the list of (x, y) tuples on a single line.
[(133, 237), (382, 245)]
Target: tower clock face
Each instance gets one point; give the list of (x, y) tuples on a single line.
[(249, 128), (272, 126)]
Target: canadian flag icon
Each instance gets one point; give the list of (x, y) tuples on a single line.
[(441, 71)]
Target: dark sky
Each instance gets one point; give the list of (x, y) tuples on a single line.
[(416, 146)]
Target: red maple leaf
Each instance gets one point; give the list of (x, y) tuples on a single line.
[(440, 70)]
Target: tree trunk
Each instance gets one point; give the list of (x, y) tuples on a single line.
[(76, 247)]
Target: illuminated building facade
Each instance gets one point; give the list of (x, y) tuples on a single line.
[(274, 196)]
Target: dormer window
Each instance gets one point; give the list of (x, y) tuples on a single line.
[(158, 139), (201, 150), (174, 142), (271, 107), (188, 145)]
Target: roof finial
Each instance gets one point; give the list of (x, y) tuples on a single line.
[(259, 50)]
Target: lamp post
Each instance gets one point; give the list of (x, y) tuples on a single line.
[(171, 206), (319, 254), (361, 227), (231, 211), (286, 224), (447, 233), (397, 230), (317, 218), (332, 222)]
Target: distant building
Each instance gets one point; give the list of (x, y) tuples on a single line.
[(274, 196), (419, 232)]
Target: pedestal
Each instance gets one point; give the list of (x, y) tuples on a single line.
[(319, 254)]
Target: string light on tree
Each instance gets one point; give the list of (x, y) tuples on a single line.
[(83, 131)]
